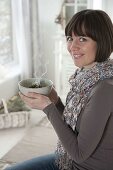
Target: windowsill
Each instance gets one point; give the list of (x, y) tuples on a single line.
[(11, 72), (9, 83)]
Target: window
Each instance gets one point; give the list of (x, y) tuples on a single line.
[(6, 52)]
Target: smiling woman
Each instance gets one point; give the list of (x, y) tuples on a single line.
[(84, 125)]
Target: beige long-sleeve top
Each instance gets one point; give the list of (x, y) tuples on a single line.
[(91, 145)]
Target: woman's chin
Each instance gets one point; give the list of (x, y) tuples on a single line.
[(78, 65)]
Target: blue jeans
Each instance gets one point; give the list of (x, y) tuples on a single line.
[(40, 163)]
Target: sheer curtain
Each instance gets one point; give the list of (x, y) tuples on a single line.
[(26, 31), (36, 40)]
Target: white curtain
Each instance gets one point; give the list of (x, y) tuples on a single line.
[(26, 29), (36, 40), (22, 33)]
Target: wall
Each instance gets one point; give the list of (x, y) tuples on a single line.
[(108, 7)]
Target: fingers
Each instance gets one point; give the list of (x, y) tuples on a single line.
[(30, 95), (34, 95), (36, 101), (26, 99)]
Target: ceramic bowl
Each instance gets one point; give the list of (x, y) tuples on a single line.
[(30, 85)]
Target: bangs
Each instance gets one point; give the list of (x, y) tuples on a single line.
[(82, 25), (80, 29)]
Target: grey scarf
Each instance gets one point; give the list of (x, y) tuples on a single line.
[(82, 83)]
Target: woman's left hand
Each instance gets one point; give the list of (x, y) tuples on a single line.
[(35, 100)]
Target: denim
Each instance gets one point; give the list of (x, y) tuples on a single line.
[(46, 162)]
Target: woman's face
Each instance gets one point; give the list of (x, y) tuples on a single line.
[(82, 49)]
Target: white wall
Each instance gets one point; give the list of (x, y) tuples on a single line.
[(108, 7)]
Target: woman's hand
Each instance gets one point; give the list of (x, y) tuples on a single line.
[(53, 96), (36, 101)]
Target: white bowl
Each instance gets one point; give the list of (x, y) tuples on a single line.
[(26, 86)]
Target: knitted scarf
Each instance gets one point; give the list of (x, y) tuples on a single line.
[(81, 83)]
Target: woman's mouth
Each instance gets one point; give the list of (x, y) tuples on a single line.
[(76, 56)]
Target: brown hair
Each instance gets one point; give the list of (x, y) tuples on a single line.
[(97, 25)]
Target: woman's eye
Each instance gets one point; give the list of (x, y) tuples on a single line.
[(82, 39), (69, 38)]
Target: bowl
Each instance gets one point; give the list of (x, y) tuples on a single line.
[(31, 85)]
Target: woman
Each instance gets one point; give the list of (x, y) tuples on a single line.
[(86, 139)]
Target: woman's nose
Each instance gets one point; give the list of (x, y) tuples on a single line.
[(74, 45)]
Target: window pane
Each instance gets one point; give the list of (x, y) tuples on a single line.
[(5, 32)]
